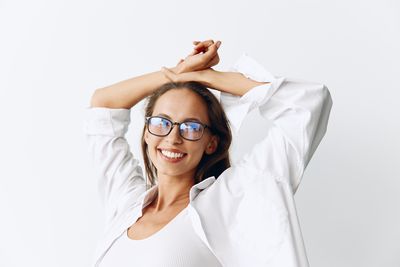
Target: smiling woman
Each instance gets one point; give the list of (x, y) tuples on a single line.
[(188, 102), (200, 210)]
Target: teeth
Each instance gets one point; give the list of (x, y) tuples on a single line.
[(172, 155)]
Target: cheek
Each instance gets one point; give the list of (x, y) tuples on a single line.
[(150, 139), (146, 137), (199, 151), (151, 151), (151, 142)]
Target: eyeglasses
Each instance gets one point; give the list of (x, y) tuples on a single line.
[(189, 130)]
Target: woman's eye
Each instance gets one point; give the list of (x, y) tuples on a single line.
[(193, 126), (164, 122)]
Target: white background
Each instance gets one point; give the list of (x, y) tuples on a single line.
[(54, 54)]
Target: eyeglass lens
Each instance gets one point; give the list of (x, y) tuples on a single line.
[(189, 129)]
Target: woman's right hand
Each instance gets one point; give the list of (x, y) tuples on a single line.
[(204, 56)]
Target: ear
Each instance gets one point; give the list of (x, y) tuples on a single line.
[(212, 145)]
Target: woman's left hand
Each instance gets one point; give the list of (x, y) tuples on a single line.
[(204, 56)]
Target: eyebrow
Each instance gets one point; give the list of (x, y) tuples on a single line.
[(186, 119)]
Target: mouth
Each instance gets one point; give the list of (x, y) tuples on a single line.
[(171, 156)]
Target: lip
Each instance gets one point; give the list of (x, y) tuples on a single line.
[(171, 150), (169, 159)]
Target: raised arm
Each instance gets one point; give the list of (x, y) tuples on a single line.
[(298, 110), (127, 93), (118, 173), (234, 83), (253, 200)]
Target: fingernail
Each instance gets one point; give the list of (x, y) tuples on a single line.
[(218, 44)]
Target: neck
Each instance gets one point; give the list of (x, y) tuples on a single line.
[(172, 191)]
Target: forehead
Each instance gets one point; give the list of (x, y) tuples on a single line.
[(180, 104)]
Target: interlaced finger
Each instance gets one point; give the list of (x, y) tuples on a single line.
[(203, 45)]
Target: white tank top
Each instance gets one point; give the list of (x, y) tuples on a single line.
[(174, 245)]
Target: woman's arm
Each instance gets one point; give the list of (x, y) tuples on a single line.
[(298, 113), (127, 93), (229, 82)]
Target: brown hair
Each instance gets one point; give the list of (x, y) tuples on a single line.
[(209, 165)]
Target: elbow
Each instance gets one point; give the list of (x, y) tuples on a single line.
[(326, 97), (97, 100), (322, 96)]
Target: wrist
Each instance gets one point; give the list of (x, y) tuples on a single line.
[(207, 77), (179, 69)]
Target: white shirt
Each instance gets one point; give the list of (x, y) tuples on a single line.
[(247, 216), (174, 245)]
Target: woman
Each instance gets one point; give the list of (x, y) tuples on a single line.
[(200, 211)]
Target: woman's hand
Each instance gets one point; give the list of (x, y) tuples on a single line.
[(204, 56)]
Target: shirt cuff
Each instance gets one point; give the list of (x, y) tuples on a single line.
[(237, 107)]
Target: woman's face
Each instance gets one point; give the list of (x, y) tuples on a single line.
[(179, 105)]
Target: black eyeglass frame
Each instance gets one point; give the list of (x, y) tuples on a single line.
[(205, 126)]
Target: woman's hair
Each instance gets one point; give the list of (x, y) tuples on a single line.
[(209, 165)]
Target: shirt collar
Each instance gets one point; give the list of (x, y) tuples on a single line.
[(148, 196)]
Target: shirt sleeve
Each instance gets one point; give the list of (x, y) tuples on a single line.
[(117, 171), (298, 113)]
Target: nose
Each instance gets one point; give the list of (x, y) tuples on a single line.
[(174, 137)]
